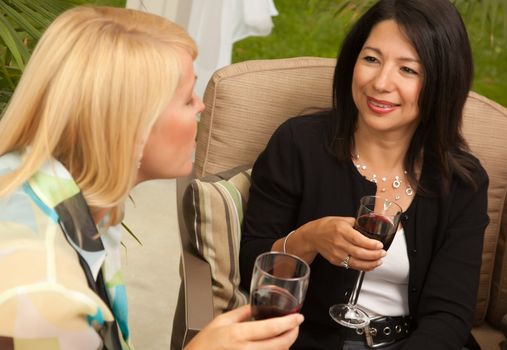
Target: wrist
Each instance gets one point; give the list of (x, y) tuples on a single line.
[(305, 242), (285, 240)]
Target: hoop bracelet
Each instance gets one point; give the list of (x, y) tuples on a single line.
[(285, 240)]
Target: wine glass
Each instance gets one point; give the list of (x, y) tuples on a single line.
[(377, 218), (279, 283)]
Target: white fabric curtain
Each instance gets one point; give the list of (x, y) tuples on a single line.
[(164, 8), (215, 25)]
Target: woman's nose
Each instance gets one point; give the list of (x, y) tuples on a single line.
[(200, 104), (383, 81)]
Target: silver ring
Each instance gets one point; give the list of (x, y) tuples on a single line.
[(345, 262)]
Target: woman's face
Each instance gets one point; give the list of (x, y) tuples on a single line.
[(170, 146), (387, 79)]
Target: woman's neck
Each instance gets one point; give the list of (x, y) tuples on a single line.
[(384, 155), (382, 161)]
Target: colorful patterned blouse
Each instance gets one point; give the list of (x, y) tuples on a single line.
[(52, 258)]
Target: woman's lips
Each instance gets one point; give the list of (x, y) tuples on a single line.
[(381, 107)]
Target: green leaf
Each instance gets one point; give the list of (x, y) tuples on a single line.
[(33, 14), (55, 7), (13, 42), (20, 20)]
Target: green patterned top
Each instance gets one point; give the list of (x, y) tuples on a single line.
[(48, 246)]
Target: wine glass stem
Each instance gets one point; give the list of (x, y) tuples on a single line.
[(357, 288)]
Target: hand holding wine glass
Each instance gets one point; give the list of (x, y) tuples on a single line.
[(279, 283), (234, 330), (377, 218)]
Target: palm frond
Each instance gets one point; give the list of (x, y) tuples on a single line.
[(22, 23), (55, 7), (19, 20), (13, 42), (34, 12)]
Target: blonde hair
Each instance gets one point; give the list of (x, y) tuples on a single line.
[(95, 84)]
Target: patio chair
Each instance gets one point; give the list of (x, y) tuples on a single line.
[(245, 102)]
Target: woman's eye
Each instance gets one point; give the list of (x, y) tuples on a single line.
[(370, 59), (409, 71)]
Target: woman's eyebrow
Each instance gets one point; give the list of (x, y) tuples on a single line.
[(402, 58)]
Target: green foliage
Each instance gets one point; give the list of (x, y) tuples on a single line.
[(22, 23), (488, 18), (317, 28), (303, 28), (486, 22), (114, 3)]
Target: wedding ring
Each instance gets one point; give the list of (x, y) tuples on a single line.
[(345, 262)]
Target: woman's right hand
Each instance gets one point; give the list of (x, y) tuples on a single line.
[(231, 330), (334, 238)]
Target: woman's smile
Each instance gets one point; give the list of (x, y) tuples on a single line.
[(380, 106)]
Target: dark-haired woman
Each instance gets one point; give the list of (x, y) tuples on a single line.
[(400, 84)]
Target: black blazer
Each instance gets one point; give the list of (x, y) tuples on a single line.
[(296, 180)]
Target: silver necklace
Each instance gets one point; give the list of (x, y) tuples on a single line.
[(382, 181)]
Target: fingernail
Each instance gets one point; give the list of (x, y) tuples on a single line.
[(300, 318), (380, 262), (379, 245), (384, 253)]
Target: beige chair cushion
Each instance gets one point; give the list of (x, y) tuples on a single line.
[(213, 210), (245, 102), (485, 129)]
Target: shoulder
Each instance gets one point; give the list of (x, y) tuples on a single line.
[(472, 165), (316, 121), (467, 172), (295, 143), (18, 210), (305, 128), (9, 162), (301, 135)]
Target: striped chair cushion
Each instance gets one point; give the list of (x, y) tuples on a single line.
[(213, 209)]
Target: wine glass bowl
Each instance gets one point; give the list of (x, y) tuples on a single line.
[(377, 218), (279, 284)]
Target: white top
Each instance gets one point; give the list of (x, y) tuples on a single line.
[(385, 289)]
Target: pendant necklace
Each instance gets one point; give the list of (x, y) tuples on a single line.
[(383, 181)]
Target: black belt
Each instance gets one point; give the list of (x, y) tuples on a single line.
[(381, 331)]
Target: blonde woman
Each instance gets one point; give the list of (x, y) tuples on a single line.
[(105, 103)]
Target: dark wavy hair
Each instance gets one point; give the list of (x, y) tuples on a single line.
[(438, 34)]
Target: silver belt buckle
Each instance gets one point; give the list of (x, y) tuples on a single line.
[(371, 332)]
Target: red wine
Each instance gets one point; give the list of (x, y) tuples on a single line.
[(376, 227), (272, 301)]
